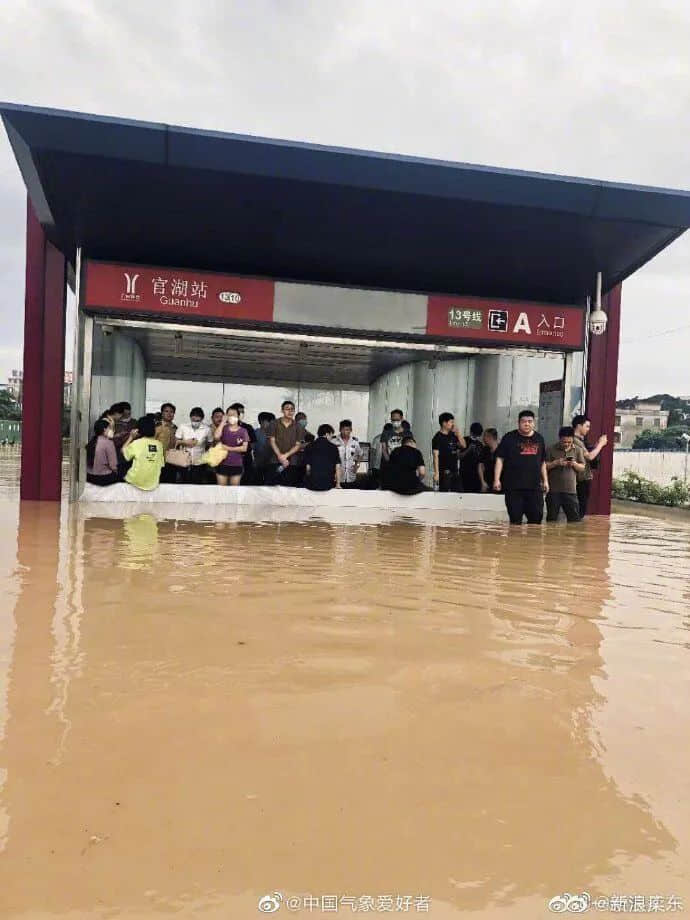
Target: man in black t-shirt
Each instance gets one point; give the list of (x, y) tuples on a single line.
[(521, 465), (322, 462), (469, 459), (487, 459), (406, 469), (444, 446)]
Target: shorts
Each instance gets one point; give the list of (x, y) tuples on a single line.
[(227, 470)]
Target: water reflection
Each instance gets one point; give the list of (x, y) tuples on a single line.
[(200, 713)]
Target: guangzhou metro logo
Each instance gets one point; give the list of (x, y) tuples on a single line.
[(130, 293)]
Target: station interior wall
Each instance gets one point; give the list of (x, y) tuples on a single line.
[(491, 389), (119, 373), (321, 404)]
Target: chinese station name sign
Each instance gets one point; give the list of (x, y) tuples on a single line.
[(140, 289), (484, 321), (191, 295)]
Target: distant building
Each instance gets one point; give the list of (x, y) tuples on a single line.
[(15, 384), (629, 423)]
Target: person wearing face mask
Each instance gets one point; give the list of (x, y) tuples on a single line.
[(193, 438), (301, 419), (391, 439), (248, 474), (112, 418), (236, 441), (101, 456)]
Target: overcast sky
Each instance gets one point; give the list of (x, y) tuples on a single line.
[(598, 90)]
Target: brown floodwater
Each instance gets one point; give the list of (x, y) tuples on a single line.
[(197, 715)]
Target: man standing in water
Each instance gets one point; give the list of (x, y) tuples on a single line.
[(564, 461), (521, 461), (581, 426)]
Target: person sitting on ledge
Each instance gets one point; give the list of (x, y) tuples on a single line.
[(123, 424), (322, 462), (101, 456), (146, 454), (406, 469)]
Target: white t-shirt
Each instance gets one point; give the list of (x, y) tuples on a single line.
[(350, 455), (202, 435)]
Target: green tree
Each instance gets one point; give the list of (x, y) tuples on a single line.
[(660, 438), (9, 407)]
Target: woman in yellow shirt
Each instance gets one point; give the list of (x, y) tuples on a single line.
[(146, 454)]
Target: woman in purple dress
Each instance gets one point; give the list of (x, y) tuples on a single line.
[(236, 441)]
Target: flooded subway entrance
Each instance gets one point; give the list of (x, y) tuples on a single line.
[(209, 712), (329, 377)]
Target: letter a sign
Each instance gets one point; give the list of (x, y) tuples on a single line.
[(522, 324)]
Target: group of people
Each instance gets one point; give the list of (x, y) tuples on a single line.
[(281, 450), (520, 466), (225, 450), (528, 473)]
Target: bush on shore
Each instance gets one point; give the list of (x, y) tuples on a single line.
[(636, 488)]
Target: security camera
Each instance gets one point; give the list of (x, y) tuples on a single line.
[(108, 330), (597, 318), (685, 437), (597, 322)]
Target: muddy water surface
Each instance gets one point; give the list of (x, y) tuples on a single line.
[(194, 716)]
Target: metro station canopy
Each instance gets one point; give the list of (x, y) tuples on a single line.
[(154, 194)]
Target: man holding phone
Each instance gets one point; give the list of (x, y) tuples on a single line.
[(564, 461)]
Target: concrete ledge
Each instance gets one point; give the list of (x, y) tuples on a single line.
[(280, 503), (626, 506)]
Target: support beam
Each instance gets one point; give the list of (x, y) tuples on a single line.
[(44, 365), (602, 376)]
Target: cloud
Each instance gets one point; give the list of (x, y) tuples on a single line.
[(582, 90)]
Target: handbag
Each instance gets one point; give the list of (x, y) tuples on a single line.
[(177, 457), (214, 455)]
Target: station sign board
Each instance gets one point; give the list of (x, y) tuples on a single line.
[(187, 295), (177, 292), (476, 319)]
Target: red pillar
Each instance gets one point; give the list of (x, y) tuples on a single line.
[(602, 377), (44, 365)]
